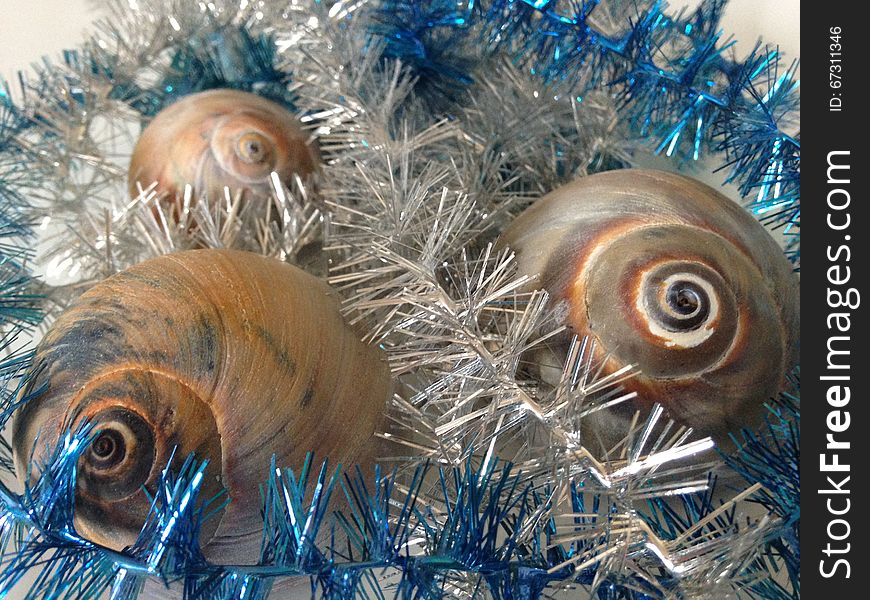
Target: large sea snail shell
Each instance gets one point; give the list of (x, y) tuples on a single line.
[(220, 138), (227, 354), (665, 273)]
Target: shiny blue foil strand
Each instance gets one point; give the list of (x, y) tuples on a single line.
[(673, 75), (771, 456), (749, 139), (477, 502), (478, 499), (15, 363), (761, 573), (230, 57), (12, 171), (227, 57), (45, 541), (19, 301)]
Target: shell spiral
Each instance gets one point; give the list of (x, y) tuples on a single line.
[(227, 354), (220, 138), (669, 275)]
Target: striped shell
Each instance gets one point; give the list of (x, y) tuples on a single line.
[(220, 138), (227, 354), (665, 273)]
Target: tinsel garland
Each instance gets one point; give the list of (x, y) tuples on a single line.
[(438, 121)]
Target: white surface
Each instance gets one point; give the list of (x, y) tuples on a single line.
[(31, 29)]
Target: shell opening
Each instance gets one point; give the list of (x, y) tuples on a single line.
[(243, 153), (108, 449), (105, 447), (253, 148), (121, 457), (683, 305)]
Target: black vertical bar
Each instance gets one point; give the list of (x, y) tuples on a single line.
[(835, 258)]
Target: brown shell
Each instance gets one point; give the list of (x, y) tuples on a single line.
[(227, 354), (665, 273), (220, 138)]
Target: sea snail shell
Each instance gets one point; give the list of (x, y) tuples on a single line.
[(220, 138), (227, 354), (665, 273)]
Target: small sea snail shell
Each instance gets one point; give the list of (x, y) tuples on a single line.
[(665, 273), (220, 138), (227, 354)]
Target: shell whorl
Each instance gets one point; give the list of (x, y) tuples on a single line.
[(220, 138), (227, 354), (667, 274)]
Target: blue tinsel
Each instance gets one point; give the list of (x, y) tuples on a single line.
[(672, 74)]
